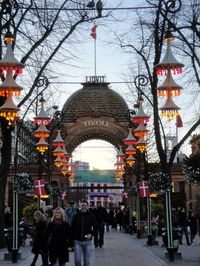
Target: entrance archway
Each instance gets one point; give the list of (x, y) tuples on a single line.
[(95, 112)]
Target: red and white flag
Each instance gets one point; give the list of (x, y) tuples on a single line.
[(144, 189), (39, 187), (93, 33), (179, 122), (63, 195), (125, 194)]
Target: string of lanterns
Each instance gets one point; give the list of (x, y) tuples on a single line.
[(62, 157), (169, 88), (135, 141), (10, 67)]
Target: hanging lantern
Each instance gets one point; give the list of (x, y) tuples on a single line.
[(130, 150), (169, 62), (141, 130), (65, 154), (140, 116), (119, 171), (169, 109), (65, 162), (58, 152), (141, 144), (64, 170), (130, 160), (9, 86), (9, 110), (118, 178), (120, 155), (42, 117), (58, 162), (120, 164), (71, 168), (71, 178), (130, 139), (169, 86), (58, 141), (9, 62), (42, 145), (42, 131)]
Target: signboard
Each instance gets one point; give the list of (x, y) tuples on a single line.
[(95, 176)]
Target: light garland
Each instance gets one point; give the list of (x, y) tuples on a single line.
[(191, 168), (158, 182), (23, 182)]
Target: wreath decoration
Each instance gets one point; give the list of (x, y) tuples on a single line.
[(52, 190), (23, 183), (158, 182), (191, 169)]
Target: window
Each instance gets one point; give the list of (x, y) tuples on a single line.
[(98, 188), (91, 187)]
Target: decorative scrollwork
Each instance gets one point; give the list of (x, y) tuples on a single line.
[(120, 134), (42, 82), (130, 113), (140, 81), (172, 6)]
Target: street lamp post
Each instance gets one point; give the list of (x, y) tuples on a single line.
[(10, 66), (44, 81), (169, 88), (136, 139)]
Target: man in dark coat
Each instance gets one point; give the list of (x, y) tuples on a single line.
[(101, 216), (182, 222), (83, 228)]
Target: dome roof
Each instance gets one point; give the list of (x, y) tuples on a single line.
[(95, 99)]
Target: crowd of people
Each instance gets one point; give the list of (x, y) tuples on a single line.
[(59, 230)]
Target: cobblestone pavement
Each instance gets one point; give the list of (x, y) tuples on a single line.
[(122, 249)]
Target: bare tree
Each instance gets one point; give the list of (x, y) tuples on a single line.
[(149, 30), (44, 35)]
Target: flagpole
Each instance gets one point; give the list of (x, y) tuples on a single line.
[(95, 57), (177, 133)]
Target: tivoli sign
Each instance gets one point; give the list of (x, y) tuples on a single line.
[(95, 122)]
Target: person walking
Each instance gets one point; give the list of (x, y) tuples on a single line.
[(39, 247), (101, 217), (58, 236), (192, 223), (83, 228), (70, 212), (182, 222)]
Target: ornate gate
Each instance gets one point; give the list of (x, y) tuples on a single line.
[(95, 112)]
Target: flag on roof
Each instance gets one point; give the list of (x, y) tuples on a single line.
[(179, 122), (93, 32)]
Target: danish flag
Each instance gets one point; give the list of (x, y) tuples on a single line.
[(63, 195), (144, 189), (93, 32), (39, 187), (125, 194)]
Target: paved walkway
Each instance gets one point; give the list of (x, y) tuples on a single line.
[(122, 249)]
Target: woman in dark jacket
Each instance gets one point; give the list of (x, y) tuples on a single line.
[(39, 239), (59, 237)]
